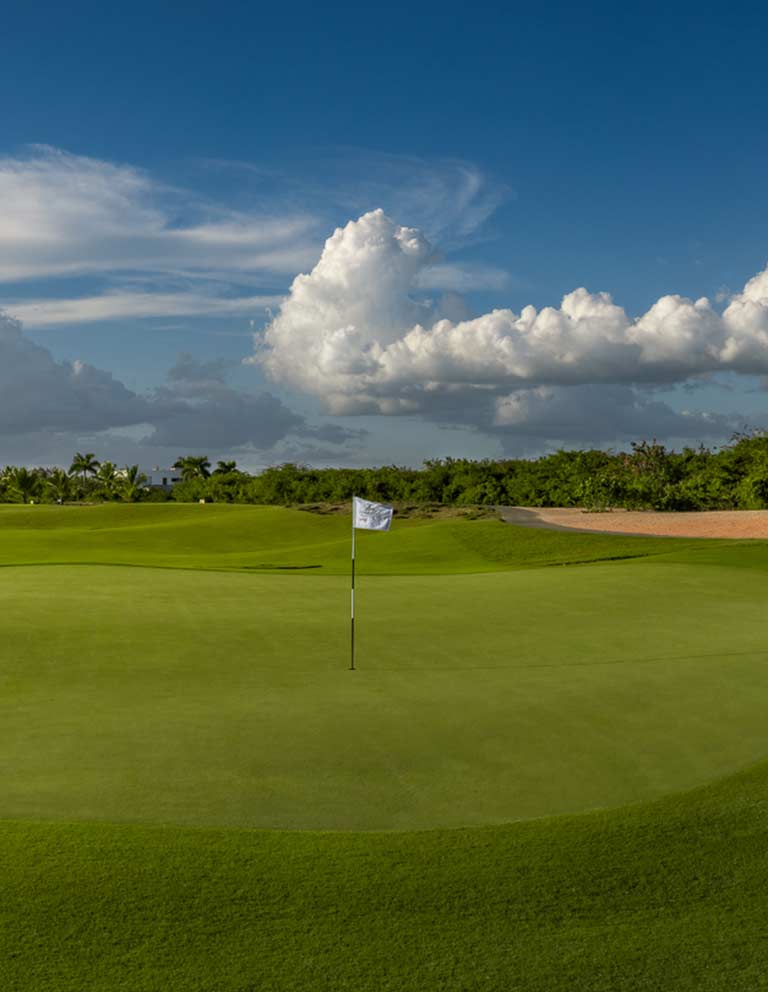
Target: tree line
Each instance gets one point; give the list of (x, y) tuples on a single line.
[(649, 476)]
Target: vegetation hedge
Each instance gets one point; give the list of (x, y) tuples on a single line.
[(649, 476)]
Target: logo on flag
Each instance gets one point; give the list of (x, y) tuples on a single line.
[(370, 516)]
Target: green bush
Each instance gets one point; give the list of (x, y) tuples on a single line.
[(648, 476)]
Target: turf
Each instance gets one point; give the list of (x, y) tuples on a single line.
[(668, 896), (155, 718), (271, 538), (224, 699)]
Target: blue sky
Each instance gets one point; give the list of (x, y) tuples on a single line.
[(165, 173)]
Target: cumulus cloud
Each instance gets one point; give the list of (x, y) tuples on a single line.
[(195, 408), (356, 333), (585, 415), (222, 419), (189, 369), (198, 408), (38, 393)]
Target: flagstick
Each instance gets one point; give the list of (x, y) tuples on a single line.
[(352, 622)]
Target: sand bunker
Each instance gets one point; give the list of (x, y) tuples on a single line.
[(714, 523)]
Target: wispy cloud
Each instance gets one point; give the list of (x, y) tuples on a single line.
[(65, 215), (449, 199), (115, 305), (462, 278)]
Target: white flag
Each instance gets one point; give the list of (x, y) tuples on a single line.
[(370, 516)]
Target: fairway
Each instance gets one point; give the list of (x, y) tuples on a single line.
[(186, 667)]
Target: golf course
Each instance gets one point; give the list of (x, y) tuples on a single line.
[(549, 770)]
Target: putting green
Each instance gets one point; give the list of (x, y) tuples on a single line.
[(222, 698)]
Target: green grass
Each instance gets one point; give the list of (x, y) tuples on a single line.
[(269, 538), (668, 896), (148, 695), (156, 720)]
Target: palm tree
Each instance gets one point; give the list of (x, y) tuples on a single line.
[(58, 485), (193, 467), (22, 484), (132, 483), (85, 465), (107, 479), (224, 468)]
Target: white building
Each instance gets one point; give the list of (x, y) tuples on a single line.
[(161, 478)]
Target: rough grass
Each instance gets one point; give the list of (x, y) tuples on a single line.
[(184, 708)]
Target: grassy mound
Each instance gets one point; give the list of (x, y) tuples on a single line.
[(271, 538), (671, 896)]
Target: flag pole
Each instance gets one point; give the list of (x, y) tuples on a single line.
[(352, 601)]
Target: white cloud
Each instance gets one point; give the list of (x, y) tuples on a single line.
[(746, 318), (449, 199), (117, 305), (354, 333), (63, 214)]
